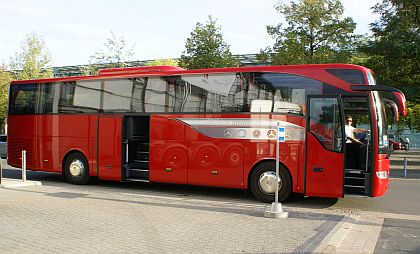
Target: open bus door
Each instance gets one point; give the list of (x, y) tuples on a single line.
[(324, 147)]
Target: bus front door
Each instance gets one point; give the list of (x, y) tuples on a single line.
[(324, 155)]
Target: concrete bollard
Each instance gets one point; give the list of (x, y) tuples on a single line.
[(24, 165)]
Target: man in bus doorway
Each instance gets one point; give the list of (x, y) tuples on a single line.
[(350, 131)]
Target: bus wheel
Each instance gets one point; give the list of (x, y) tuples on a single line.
[(263, 182), (76, 169)]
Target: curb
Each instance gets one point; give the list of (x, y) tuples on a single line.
[(16, 183)]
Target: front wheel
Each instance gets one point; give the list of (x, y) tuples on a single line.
[(263, 182), (76, 169)]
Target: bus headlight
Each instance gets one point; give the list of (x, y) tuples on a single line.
[(382, 174)]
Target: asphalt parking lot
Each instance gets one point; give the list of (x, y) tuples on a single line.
[(113, 219), (110, 217)]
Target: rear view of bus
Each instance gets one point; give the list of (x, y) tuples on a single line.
[(210, 127)]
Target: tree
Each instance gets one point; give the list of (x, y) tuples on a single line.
[(315, 33), (34, 60), (163, 62), (5, 79), (394, 52), (115, 54), (205, 48)]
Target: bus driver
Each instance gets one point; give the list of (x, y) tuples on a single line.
[(350, 130)]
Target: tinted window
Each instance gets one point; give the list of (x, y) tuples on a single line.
[(241, 92), (117, 95), (80, 97), (210, 93), (156, 96), (23, 99), (348, 75), (289, 92), (47, 104), (325, 122)]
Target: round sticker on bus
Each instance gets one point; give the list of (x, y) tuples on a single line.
[(256, 133), (271, 134)]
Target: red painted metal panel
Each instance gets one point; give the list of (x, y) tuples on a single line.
[(48, 138), (328, 181), (216, 163), (21, 136), (109, 147), (291, 155), (168, 150), (78, 133), (180, 153), (380, 186)]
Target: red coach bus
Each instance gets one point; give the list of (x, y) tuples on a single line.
[(209, 127)]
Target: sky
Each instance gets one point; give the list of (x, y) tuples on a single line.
[(74, 30)]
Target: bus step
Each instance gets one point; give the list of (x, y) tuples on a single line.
[(354, 186), (139, 164), (354, 171), (139, 173), (143, 156), (354, 181), (354, 190), (353, 177), (137, 139), (137, 180), (143, 147), (139, 170)]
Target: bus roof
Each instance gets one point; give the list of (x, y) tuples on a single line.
[(304, 69)]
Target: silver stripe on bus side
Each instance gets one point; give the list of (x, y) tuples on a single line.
[(236, 128)]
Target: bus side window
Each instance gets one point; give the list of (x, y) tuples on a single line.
[(24, 99)]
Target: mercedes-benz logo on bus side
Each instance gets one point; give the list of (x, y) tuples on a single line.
[(228, 133)]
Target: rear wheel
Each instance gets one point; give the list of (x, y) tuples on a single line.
[(263, 182), (76, 169)]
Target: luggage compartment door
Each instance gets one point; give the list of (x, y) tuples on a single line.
[(109, 147)]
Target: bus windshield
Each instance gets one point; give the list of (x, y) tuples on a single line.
[(381, 123)]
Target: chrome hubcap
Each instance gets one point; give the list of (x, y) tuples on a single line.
[(76, 168), (267, 182)]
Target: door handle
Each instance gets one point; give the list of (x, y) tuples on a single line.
[(317, 169)]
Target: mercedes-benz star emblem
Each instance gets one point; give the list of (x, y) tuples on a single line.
[(228, 133)]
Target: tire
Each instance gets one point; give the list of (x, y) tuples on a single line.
[(262, 182), (76, 169)]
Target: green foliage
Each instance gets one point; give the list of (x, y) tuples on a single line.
[(315, 33), (115, 55), (206, 48), (163, 62), (395, 52), (90, 69), (5, 79), (412, 120), (34, 60)]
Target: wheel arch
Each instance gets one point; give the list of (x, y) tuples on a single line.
[(68, 153), (254, 167)]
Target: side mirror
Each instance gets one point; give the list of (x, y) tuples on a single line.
[(399, 97), (394, 108)]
